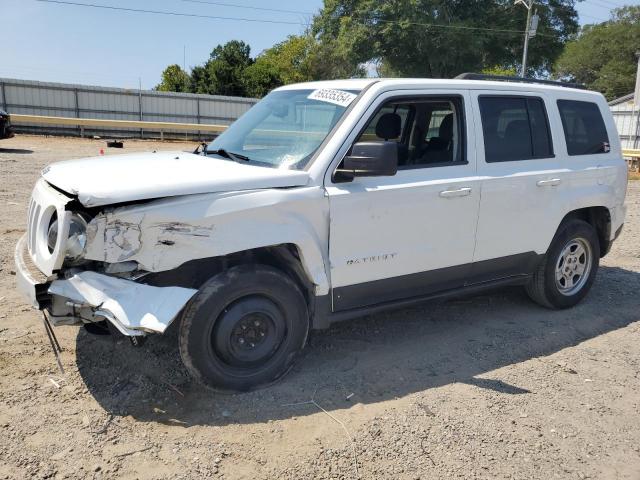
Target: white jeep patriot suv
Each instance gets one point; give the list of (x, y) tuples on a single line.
[(324, 201)]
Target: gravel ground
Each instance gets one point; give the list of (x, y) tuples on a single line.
[(486, 387)]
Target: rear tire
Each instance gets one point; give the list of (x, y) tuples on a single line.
[(244, 328), (568, 269)]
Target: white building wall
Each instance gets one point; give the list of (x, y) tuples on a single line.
[(626, 114)]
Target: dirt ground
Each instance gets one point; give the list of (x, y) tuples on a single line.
[(486, 387)]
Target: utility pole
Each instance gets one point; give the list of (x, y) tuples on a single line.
[(636, 103), (636, 97), (529, 32)]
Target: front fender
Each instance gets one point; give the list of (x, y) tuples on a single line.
[(164, 234)]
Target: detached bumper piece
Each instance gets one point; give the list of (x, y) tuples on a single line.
[(133, 308)]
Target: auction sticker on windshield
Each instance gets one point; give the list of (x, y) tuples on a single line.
[(329, 95)]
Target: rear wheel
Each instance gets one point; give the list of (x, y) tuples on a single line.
[(244, 328), (568, 270)]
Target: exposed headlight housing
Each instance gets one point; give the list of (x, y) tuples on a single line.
[(75, 242)]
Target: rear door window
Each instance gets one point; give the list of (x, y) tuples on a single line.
[(514, 128), (584, 128)]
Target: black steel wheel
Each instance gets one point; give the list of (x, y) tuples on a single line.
[(248, 332), (244, 328)]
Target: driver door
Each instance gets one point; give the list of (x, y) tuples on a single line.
[(411, 234)]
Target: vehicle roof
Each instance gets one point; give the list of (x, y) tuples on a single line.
[(345, 84), (404, 83)]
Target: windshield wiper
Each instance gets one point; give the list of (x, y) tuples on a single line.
[(230, 155)]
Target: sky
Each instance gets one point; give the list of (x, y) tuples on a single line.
[(74, 44)]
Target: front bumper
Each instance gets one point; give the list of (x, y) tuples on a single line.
[(86, 297), (133, 308), (31, 283)]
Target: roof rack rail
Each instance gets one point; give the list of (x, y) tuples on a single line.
[(505, 78)]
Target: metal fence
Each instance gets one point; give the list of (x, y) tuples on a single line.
[(626, 115), (83, 101)]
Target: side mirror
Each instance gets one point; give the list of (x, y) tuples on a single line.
[(370, 159)]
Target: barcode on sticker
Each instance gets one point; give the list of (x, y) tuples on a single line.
[(329, 95)]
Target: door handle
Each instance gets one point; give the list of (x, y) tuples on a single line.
[(460, 192), (549, 183)]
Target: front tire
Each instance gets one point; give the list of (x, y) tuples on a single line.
[(568, 270), (244, 328)]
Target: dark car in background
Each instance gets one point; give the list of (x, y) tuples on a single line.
[(5, 125)]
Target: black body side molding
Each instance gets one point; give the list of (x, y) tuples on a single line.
[(352, 301)]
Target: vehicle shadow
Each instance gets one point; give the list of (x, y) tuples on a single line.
[(376, 358), (18, 151)]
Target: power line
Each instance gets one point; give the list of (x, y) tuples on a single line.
[(600, 5), (249, 7), (256, 20), (174, 14), (609, 2)]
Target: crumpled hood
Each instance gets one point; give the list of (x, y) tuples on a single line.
[(107, 180)]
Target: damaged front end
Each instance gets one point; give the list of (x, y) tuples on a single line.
[(133, 308), (56, 273)]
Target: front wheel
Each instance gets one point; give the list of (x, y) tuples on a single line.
[(244, 328), (569, 268)]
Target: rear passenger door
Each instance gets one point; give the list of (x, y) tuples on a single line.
[(522, 181)]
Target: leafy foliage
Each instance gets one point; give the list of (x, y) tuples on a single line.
[(415, 37), (286, 62), (497, 70), (174, 79), (411, 38), (223, 73), (603, 56)]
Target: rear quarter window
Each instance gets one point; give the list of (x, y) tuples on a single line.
[(584, 129)]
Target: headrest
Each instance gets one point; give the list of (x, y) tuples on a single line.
[(517, 129), (389, 126), (446, 127)]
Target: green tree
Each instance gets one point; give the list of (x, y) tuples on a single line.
[(223, 73), (440, 38), (260, 78), (299, 58), (291, 58), (174, 79), (500, 70), (603, 55)]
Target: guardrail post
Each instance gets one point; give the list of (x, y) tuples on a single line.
[(140, 107), (4, 97), (637, 130), (77, 105), (198, 121)]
